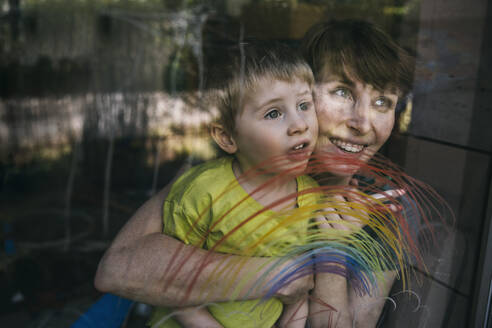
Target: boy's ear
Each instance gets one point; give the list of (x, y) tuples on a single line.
[(223, 138)]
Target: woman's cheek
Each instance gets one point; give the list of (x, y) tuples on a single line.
[(384, 126), (321, 110), (329, 114)]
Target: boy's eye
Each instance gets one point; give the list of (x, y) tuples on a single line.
[(304, 106), (273, 114)]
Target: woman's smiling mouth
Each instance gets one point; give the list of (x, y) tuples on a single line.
[(347, 146)]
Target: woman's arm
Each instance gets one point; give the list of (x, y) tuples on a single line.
[(333, 298), (349, 309), (135, 266), (294, 315), (366, 309), (329, 301)]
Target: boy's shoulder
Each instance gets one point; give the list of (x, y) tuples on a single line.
[(309, 191), (205, 178), (306, 181)]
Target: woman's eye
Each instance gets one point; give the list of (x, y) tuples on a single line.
[(380, 102), (273, 114), (304, 106), (383, 102), (344, 93)]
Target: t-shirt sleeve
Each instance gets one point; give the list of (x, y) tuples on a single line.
[(187, 220)]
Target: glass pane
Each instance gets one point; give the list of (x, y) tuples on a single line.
[(102, 102)]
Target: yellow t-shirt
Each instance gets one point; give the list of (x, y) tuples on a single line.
[(207, 207)]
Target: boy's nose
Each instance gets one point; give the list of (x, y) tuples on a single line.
[(297, 125), (358, 121)]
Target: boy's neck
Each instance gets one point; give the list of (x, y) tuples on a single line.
[(267, 188), (328, 179), (337, 181)]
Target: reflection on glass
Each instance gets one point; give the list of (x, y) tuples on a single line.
[(101, 102)]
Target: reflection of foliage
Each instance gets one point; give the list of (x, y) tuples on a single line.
[(177, 130), (289, 19), (140, 4), (28, 170), (181, 72), (45, 77), (131, 44), (197, 146), (81, 46)]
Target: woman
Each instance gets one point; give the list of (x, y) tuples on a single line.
[(360, 74)]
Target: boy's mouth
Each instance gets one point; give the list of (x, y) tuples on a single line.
[(299, 152), (348, 146), (299, 147), (302, 146)]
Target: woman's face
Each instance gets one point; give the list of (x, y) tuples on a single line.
[(355, 119)]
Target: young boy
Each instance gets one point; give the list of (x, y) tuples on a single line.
[(267, 122)]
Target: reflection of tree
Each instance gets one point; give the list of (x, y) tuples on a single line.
[(45, 77), (118, 109), (111, 58), (14, 17), (181, 74)]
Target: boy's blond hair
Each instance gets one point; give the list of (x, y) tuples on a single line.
[(249, 64)]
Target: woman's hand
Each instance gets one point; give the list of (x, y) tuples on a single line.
[(296, 290), (338, 215), (348, 212)]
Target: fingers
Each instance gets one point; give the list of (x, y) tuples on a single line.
[(331, 219), (395, 193), (395, 208), (382, 201), (354, 182), (388, 198), (296, 290), (344, 215), (322, 222), (347, 212)]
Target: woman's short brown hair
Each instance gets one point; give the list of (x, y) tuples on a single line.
[(359, 49)]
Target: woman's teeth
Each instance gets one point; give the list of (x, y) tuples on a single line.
[(350, 147), (299, 146)]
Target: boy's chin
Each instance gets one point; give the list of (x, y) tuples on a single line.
[(282, 167), (290, 171), (297, 169)]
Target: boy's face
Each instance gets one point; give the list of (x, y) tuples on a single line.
[(277, 121), (355, 119)]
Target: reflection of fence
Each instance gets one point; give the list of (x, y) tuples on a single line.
[(28, 123)]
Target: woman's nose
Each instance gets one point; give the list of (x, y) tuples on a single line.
[(359, 120)]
